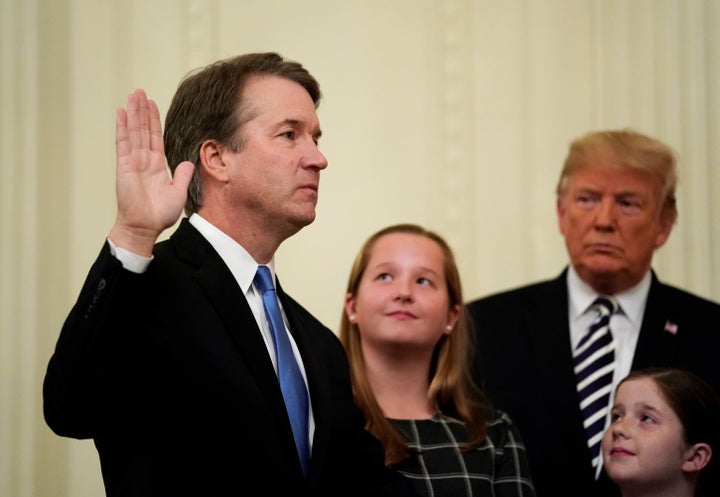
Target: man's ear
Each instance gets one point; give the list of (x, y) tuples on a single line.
[(667, 221), (212, 161), (698, 456)]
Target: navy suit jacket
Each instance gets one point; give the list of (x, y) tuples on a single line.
[(168, 373), (524, 361)]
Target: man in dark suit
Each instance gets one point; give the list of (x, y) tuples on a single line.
[(615, 206), (167, 359)]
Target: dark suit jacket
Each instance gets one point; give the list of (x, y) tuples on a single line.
[(168, 373), (525, 364)]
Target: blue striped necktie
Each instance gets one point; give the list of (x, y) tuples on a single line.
[(594, 360), (292, 384)]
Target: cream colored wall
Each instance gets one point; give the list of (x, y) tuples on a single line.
[(454, 114)]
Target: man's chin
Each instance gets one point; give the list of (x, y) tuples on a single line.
[(603, 271), (602, 263), (599, 269), (304, 218)]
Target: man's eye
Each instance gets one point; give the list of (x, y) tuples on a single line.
[(630, 206), (289, 135)]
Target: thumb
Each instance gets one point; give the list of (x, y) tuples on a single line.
[(183, 174)]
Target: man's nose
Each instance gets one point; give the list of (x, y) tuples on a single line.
[(315, 158), (605, 213)]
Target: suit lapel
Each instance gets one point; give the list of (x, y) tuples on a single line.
[(556, 362), (658, 340), (223, 293), (553, 345)]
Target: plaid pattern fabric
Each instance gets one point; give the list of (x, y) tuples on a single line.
[(498, 467)]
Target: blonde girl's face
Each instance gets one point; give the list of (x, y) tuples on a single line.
[(402, 302)]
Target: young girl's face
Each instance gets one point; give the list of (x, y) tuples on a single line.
[(402, 301), (644, 443)]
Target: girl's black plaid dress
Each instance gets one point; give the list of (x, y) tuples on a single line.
[(498, 467)]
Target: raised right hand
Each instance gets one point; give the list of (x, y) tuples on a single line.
[(149, 200)]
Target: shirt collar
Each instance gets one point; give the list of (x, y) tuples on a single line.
[(241, 264), (631, 301)]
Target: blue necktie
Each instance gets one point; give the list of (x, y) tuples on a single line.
[(291, 380), (594, 360)]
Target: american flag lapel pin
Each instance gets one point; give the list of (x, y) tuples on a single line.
[(671, 327)]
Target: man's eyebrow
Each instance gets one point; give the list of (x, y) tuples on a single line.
[(293, 123)]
